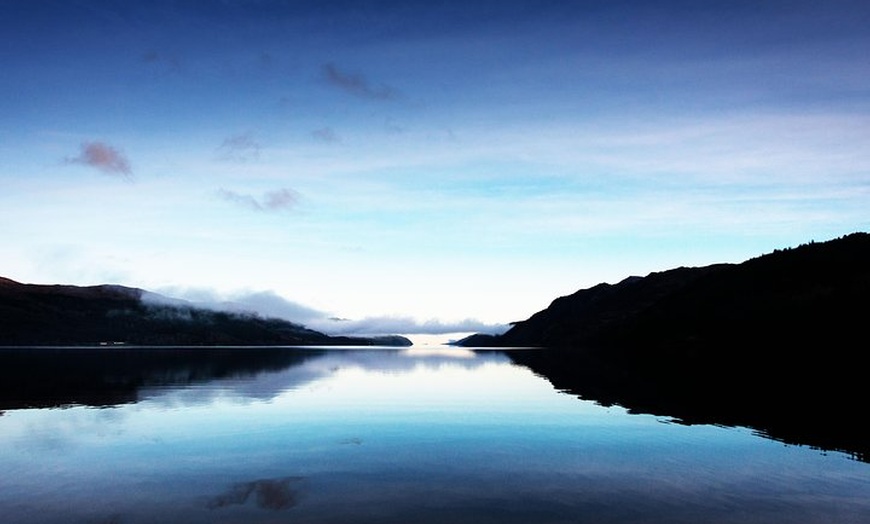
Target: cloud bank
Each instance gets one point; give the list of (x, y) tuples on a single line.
[(356, 84), (269, 304), (387, 325), (266, 304), (104, 157)]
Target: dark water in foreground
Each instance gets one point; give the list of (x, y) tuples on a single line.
[(305, 435)]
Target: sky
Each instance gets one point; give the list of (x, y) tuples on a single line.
[(422, 167)]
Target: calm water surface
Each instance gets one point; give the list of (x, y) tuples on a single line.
[(391, 436)]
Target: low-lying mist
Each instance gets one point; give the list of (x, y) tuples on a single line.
[(268, 304)]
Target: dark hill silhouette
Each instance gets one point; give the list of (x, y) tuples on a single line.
[(774, 343), (58, 315), (815, 293)]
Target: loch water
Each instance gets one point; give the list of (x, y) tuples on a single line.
[(375, 435)]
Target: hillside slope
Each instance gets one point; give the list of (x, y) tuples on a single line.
[(813, 294), (46, 315)]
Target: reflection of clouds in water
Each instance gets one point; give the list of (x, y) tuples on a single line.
[(476, 455), (62, 431), (272, 494), (268, 385), (449, 353), (34, 432), (409, 360), (262, 386)]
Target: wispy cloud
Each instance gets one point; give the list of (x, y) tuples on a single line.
[(239, 148), (104, 157), (326, 134), (357, 84), (277, 200), (168, 63)]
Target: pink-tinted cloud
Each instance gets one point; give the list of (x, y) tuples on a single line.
[(357, 84), (277, 200), (104, 157)]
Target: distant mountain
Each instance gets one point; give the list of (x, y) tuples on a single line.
[(58, 315)]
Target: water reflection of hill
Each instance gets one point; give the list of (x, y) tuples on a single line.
[(786, 407), (787, 404), (38, 378), (101, 377), (772, 343)]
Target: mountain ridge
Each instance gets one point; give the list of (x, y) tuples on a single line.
[(108, 314), (814, 285)]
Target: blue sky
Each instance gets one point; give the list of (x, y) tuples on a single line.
[(422, 166)]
